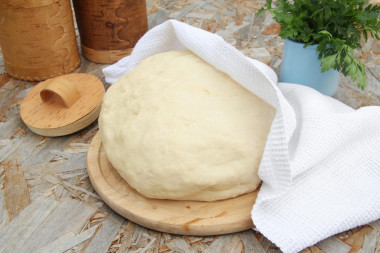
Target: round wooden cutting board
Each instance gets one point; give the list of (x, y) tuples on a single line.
[(196, 218)]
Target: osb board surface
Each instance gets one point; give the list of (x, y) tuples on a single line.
[(44, 179)]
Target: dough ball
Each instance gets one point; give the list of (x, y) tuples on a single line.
[(177, 128)]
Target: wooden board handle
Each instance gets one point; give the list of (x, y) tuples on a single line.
[(62, 89)]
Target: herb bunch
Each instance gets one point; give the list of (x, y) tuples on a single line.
[(337, 26)]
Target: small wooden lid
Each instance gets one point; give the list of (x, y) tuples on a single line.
[(63, 105)]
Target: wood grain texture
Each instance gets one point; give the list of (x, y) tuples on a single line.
[(16, 193), (60, 88), (75, 213), (70, 128), (48, 113), (356, 239), (8, 96), (105, 235), (109, 29), (105, 56), (4, 79), (17, 232), (68, 241), (31, 230), (26, 3), (178, 217), (55, 168), (38, 39)]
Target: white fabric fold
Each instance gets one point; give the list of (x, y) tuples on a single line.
[(321, 164)]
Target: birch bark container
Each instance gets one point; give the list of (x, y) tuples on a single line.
[(37, 38), (109, 29)]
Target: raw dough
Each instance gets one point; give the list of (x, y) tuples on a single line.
[(177, 128)]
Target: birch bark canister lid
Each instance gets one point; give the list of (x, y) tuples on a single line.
[(37, 38), (63, 105), (110, 29)]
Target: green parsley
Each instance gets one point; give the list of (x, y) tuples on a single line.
[(337, 26)]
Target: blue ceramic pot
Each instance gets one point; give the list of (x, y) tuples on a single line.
[(301, 66)]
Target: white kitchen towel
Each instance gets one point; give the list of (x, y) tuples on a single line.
[(321, 163)]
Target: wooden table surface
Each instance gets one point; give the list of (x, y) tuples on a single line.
[(47, 203)]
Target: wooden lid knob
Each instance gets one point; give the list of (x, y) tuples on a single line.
[(62, 89)]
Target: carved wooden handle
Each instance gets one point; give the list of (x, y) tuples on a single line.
[(63, 89)]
